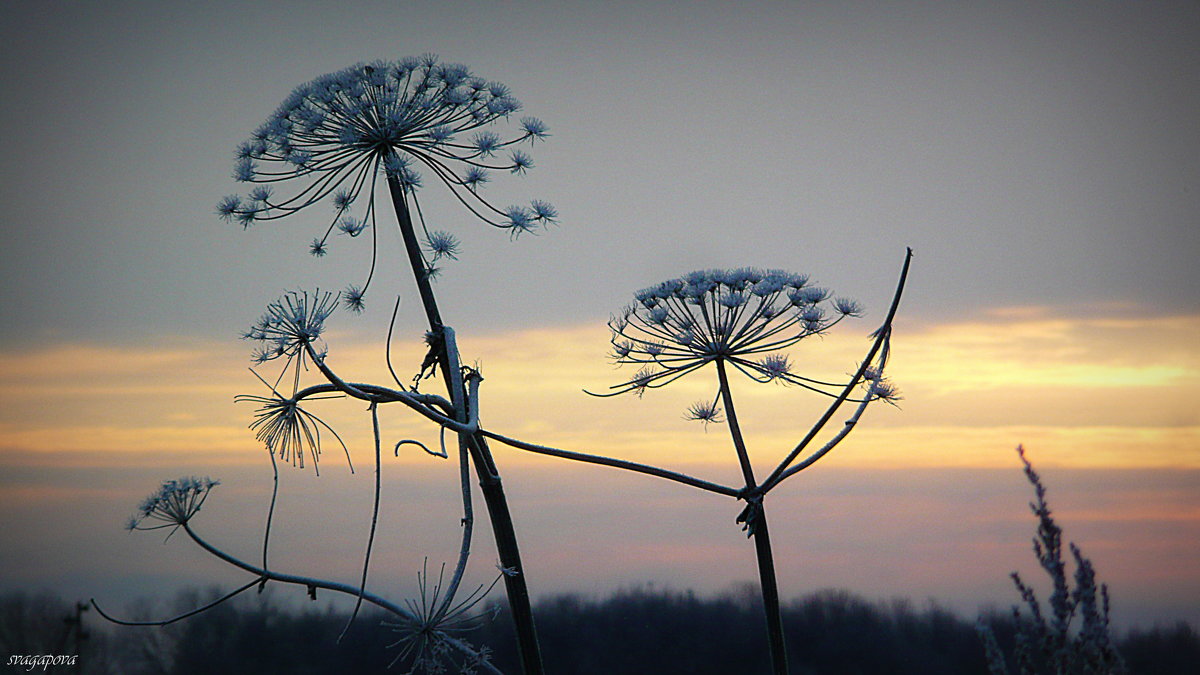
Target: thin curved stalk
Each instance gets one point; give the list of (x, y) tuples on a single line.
[(387, 352), (755, 517), (374, 521), (419, 403), (181, 617), (882, 334), (271, 510), (839, 436), (333, 378), (312, 584), (618, 463)]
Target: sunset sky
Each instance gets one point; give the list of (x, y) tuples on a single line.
[(1040, 158)]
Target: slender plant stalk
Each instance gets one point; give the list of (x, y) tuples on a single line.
[(263, 575), (618, 463), (468, 409), (756, 522), (770, 593), (485, 467), (313, 584), (374, 520), (882, 336), (271, 510)]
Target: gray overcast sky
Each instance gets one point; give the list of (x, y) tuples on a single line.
[(1032, 153)]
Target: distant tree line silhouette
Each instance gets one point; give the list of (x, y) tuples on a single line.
[(635, 631)]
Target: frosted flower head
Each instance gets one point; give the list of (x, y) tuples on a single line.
[(775, 366), (744, 316), (883, 389), (354, 298), (847, 306), (442, 245), (414, 120), (704, 411), (349, 225), (173, 504), (288, 430), (423, 642), (295, 320)]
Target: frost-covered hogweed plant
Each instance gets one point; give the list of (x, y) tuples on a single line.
[(338, 140), (291, 330), (431, 633), (742, 320), (175, 504), (402, 123), (355, 141), (295, 320)]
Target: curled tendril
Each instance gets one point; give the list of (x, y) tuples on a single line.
[(419, 444)]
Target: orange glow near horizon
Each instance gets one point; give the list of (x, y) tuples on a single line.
[(1102, 393), (926, 499)]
